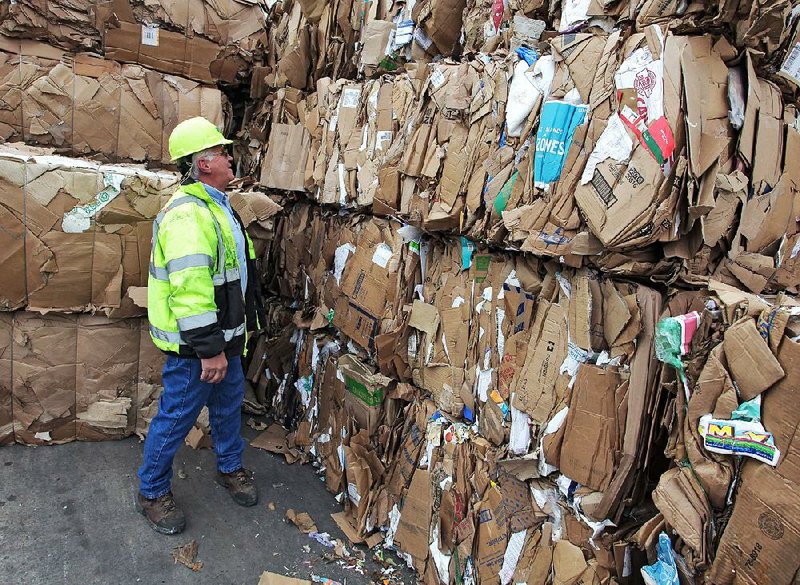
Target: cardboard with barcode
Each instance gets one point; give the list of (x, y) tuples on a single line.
[(790, 67), (619, 199), (167, 51)]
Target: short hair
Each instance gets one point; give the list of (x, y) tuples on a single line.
[(206, 154)]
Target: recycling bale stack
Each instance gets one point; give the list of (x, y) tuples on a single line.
[(78, 362), (207, 42), (81, 105), (543, 262)]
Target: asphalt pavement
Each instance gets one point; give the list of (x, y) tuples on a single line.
[(67, 517)]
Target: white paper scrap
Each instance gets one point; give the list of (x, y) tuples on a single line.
[(614, 143), (340, 259), (511, 558), (520, 439), (350, 97), (382, 255)]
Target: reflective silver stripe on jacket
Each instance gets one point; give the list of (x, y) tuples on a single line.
[(168, 336), (158, 273), (231, 333), (190, 261), (175, 337), (195, 321), (230, 275)]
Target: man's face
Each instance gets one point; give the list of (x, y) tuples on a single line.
[(216, 168)]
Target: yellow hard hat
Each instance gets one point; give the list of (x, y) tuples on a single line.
[(194, 135)]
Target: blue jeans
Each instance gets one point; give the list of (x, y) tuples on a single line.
[(181, 401)]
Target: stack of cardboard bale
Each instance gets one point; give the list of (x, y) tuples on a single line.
[(86, 89), (543, 261), (76, 358)]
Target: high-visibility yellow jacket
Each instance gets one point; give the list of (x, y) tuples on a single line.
[(194, 296)]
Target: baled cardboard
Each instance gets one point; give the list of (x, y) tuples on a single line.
[(84, 104), (195, 39), (6, 419), (428, 146), (67, 386), (87, 230)]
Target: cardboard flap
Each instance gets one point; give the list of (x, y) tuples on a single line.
[(753, 366)]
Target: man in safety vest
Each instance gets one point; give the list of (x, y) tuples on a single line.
[(202, 297)]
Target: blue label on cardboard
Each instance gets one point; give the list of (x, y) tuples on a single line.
[(556, 129)]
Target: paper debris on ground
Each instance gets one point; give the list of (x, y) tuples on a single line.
[(269, 578), (186, 555), (302, 520)]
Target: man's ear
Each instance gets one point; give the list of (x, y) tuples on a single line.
[(203, 165)]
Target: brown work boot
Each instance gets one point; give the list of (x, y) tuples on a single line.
[(240, 486), (162, 513)]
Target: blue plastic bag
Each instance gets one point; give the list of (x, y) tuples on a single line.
[(664, 571), (528, 55)]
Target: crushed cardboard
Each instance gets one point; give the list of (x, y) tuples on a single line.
[(186, 555)]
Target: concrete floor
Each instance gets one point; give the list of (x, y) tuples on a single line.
[(67, 517)]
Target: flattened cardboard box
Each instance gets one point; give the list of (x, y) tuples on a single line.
[(753, 366), (591, 429), (365, 394), (415, 518), (285, 161)]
